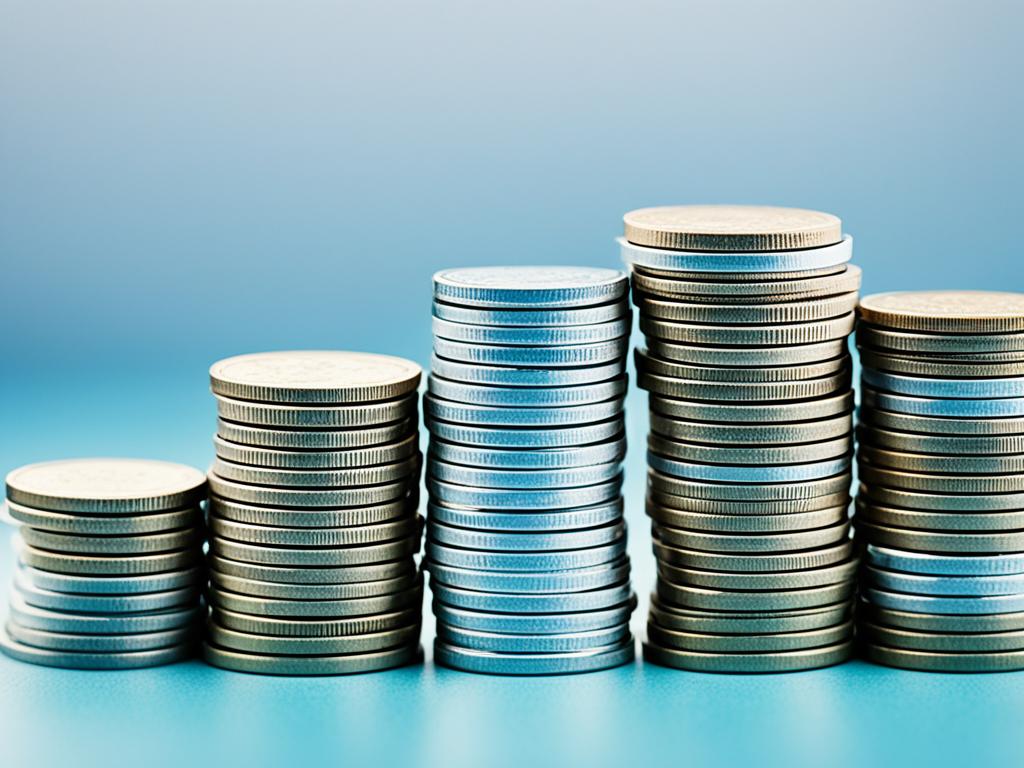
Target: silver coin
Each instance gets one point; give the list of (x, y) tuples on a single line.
[(938, 521), (990, 408), (682, 311), (745, 288), (937, 542), (941, 623), (948, 465), (354, 536), (671, 504), (108, 565), (747, 643), (758, 413), (786, 473), (105, 603), (945, 586), (521, 521), (771, 355), (509, 643), (939, 483), (555, 582), (523, 479), (105, 525), (743, 524), (533, 624), (278, 591), (312, 518), (928, 564), (701, 261), (314, 376), (388, 453), (997, 642), (29, 616), (111, 585), (526, 541), (757, 455), (315, 609), (530, 287), (526, 397), (94, 660), (356, 663), (444, 410), (315, 557), (74, 544), (887, 340), (495, 602), (763, 563), (269, 645), (937, 368), (61, 641), (942, 502), (748, 622), (714, 391), (313, 576), (750, 663), (780, 492), (302, 438), (317, 478), (944, 388), (357, 496), (533, 499), (974, 604), (571, 662), (727, 600), (500, 376), (524, 459), (524, 561), (760, 582), (941, 444), (106, 486), (530, 336), (814, 332), (657, 366), (590, 315), (338, 627), (754, 543), (316, 416), (559, 437), (599, 353)]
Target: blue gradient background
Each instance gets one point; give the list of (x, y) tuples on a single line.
[(181, 181)]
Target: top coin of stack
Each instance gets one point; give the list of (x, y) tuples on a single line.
[(526, 541), (109, 563), (746, 313), (940, 509), (313, 524)]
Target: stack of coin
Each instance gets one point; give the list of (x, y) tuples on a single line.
[(109, 572), (746, 313), (940, 509), (526, 541), (313, 514)]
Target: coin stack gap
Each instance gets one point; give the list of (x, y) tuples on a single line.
[(526, 544), (109, 572), (940, 508), (313, 514), (746, 313)]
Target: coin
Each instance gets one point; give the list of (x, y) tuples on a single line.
[(61, 641), (750, 622), (996, 642), (791, 354), (314, 377), (111, 545), (532, 624), (744, 288), (386, 453), (758, 413), (316, 416), (530, 541), (525, 459), (745, 523), (529, 287), (655, 366), (1001, 348), (957, 388), (747, 314), (518, 663), (542, 561), (310, 665), (311, 518), (714, 391), (278, 591), (94, 660), (531, 336), (347, 626), (549, 437), (946, 662), (299, 438), (317, 478), (946, 311), (597, 577), (535, 520), (106, 486), (104, 525), (731, 228), (542, 644), (709, 643), (785, 661), (526, 397), (749, 335), (591, 315), (565, 415), (357, 535), (737, 261), (495, 375), (530, 479), (784, 433), (267, 607), (575, 355), (759, 455), (345, 645)]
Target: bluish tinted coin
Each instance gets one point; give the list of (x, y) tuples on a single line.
[(552, 437), (508, 602), (553, 520), (752, 262), (526, 541), (491, 416), (547, 643), (524, 561), (953, 586), (944, 388), (493, 663), (526, 376), (601, 313), (553, 582), (973, 605), (530, 287), (748, 474), (944, 565), (600, 353), (526, 397), (562, 498), (523, 479), (527, 624), (94, 660), (111, 585), (530, 336), (549, 458), (988, 408)]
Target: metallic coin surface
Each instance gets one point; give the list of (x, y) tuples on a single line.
[(314, 377), (785, 661), (94, 660), (529, 287), (355, 663), (946, 311), (731, 228), (106, 486), (519, 663)]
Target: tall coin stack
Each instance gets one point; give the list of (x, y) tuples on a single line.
[(940, 509), (746, 313), (313, 514), (109, 572), (526, 543)]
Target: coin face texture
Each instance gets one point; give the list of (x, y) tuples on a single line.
[(105, 485), (532, 286), (314, 376), (946, 311), (731, 228)]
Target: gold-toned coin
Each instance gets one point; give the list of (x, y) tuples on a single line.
[(731, 228), (946, 311)]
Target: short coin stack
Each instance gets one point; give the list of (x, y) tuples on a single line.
[(940, 510), (109, 572), (746, 313), (526, 541), (313, 514)]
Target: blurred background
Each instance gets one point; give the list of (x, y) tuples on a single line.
[(183, 181)]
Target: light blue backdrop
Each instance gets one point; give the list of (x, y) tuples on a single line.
[(181, 181)]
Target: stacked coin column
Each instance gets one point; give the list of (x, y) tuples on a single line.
[(313, 514), (109, 572), (746, 313), (526, 540), (941, 466)]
